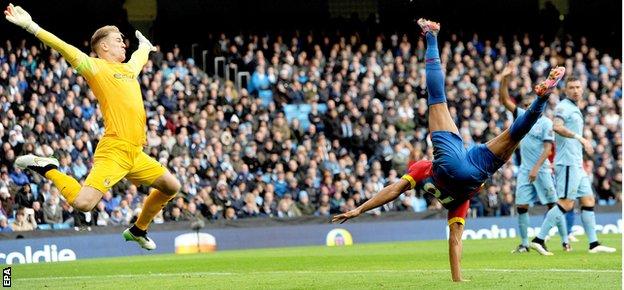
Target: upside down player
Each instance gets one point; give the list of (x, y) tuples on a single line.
[(119, 153), (456, 174)]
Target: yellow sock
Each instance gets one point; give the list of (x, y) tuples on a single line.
[(154, 202), (68, 186)]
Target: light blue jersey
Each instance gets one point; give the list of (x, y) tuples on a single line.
[(531, 148), (569, 151), (532, 145)]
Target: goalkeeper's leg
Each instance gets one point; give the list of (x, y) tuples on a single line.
[(164, 188), (83, 198)]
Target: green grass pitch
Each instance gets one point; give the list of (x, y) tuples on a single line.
[(403, 265)]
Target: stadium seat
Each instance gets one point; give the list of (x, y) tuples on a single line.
[(44, 227), (61, 226)]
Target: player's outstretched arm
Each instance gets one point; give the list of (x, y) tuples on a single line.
[(455, 250), (503, 90), (139, 57), (456, 221), (387, 194), (18, 16)]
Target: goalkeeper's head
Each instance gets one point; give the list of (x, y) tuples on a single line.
[(108, 43)]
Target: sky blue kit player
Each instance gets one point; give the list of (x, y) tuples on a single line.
[(531, 148), (572, 182), (535, 176)]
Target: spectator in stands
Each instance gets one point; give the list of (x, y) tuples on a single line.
[(24, 220), (68, 213), (84, 219), (110, 202), (355, 114), (191, 213), (250, 209), (324, 207), (230, 214), (25, 197), (126, 211), (38, 213), (176, 214), (19, 177), (493, 201), (100, 215), (4, 225), (117, 218), (304, 205), (6, 202), (52, 211), (213, 212)]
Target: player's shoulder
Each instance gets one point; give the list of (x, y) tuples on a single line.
[(562, 108), (563, 104), (420, 165), (420, 170), (546, 121)]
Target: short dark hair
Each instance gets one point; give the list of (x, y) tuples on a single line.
[(572, 79)]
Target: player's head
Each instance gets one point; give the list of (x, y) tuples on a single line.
[(107, 42), (574, 89)]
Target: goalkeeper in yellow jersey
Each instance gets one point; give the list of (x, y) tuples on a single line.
[(119, 153)]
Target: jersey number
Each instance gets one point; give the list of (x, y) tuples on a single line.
[(430, 188)]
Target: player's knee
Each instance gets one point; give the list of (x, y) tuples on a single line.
[(588, 202), (566, 204), (564, 207), (84, 205), (173, 186)]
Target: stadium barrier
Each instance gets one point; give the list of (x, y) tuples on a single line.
[(80, 245)]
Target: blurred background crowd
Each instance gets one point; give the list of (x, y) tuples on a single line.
[(321, 124)]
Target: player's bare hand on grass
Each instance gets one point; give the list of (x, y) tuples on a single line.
[(346, 216)]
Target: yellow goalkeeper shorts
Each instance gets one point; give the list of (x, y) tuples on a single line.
[(115, 159)]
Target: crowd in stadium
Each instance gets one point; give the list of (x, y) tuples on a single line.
[(251, 152)]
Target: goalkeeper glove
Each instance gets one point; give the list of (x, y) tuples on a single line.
[(143, 41), (18, 16)]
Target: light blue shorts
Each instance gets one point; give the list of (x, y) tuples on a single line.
[(542, 189), (572, 182)]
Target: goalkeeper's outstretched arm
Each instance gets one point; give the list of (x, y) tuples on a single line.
[(18, 16), (139, 57)]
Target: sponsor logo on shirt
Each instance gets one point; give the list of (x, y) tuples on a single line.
[(121, 76)]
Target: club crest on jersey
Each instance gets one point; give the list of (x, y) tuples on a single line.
[(106, 181)]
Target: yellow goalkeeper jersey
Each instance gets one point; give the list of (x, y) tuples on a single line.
[(115, 86)]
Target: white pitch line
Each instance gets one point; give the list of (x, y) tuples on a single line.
[(117, 276)]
